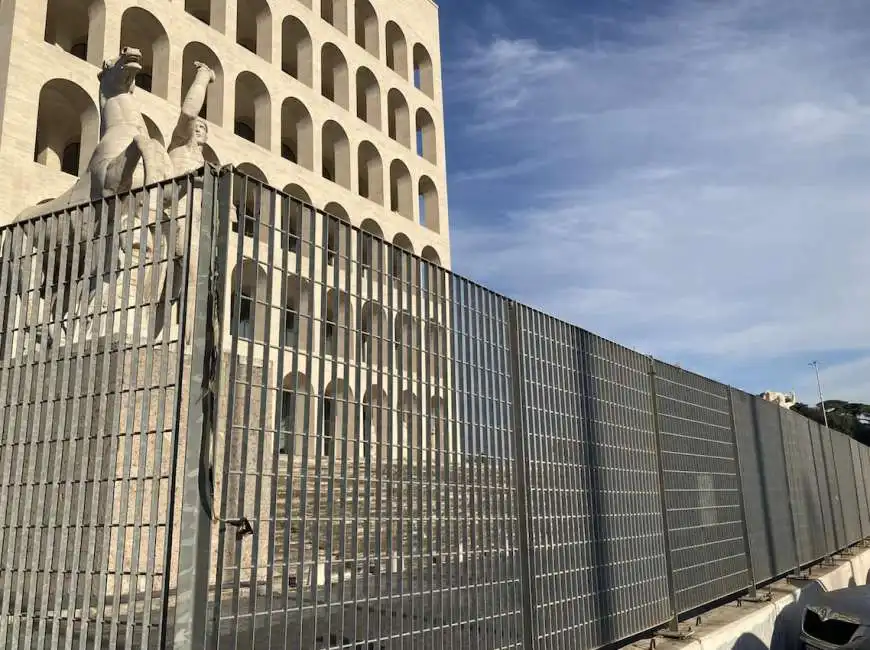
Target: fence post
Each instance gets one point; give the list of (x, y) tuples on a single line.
[(752, 596), (673, 629), (200, 314), (521, 468)]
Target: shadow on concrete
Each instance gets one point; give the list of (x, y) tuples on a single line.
[(748, 641)]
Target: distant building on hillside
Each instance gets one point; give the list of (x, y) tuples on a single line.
[(786, 400)]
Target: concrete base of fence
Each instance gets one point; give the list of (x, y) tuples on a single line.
[(774, 624)]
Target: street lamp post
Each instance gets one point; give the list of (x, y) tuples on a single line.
[(815, 364)]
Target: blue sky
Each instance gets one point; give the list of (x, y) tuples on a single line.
[(691, 179)]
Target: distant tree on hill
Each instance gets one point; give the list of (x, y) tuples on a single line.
[(842, 416)]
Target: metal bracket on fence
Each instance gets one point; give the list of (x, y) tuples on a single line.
[(798, 576), (243, 525), (828, 560), (756, 597), (680, 632)]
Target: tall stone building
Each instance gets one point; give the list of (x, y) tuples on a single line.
[(337, 101)]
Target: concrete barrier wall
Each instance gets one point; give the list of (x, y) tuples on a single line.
[(775, 624)]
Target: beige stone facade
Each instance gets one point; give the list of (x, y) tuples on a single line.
[(336, 101)]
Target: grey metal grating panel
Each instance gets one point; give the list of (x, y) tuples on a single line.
[(755, 496), (90, 365), (782, 555), (848, 493), (864, 487), (825, 496), (858, 465), (592, 478), (365, 431), (702, 486), (833, 474), (803, 487)]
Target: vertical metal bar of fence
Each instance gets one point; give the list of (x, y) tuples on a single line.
[(194, 531), (521, 465), (674, 623)]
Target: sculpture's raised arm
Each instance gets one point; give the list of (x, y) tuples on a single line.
[(195, 98)]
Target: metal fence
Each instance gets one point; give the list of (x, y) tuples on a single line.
[(231, 421)]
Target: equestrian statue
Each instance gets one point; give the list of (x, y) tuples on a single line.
[(125, 158)]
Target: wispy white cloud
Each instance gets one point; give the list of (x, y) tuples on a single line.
[(707, 190)]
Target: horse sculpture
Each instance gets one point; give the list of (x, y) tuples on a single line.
[(125, 158)]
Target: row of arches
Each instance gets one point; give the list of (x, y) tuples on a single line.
[(368, 184), (341, 327), (254, 32), (419, 424), (252, 110), (68, 124), (78, 27)]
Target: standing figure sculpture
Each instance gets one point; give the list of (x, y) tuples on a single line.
[(191, 131)]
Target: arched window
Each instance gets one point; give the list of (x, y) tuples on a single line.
[(296, 222), (337, 233), (372, 244), (254, 27), (397, 49), (141, 29), (296, 315), (368, 97), (366, 27), (337, 319), (427, 143), (335, 13), (424, 75), (429, 205), (213, 109), (247, 304), (77, 26), (399, 126), (248, 201), (297, 133), (371, 173), (334, 82), (200, 9), (401, 191), (253, 109), (336, 154), (295, 393), (67, 126), (296, 50)]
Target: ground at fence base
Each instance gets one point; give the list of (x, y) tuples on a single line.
[(774, 624)]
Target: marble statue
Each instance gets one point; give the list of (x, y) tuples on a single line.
[(125, 158), (191, 131)]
